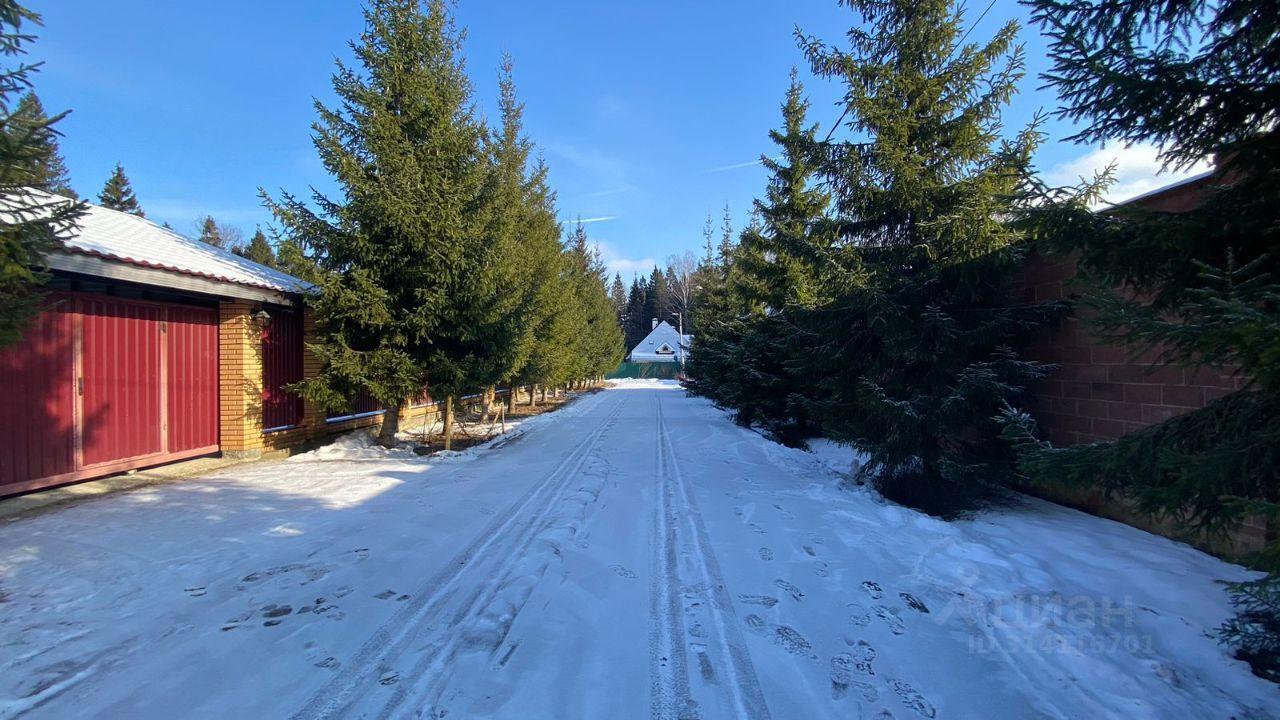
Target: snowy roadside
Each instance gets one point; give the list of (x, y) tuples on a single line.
[(532, 581), (361, 444)]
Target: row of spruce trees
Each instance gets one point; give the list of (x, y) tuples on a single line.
[(871, 299), (440, 262)]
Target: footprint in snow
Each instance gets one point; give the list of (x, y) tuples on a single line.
[(811, 552), (784, 636), (912, 699), (842, 680), (621, 571), (862, 656), (859, 615), (841, 674), (791, 641), (192, 591), (757, 529), (914, 603), (796, 593), (389, 678), (275, 611), (386, 595), (893, 621), (873, 589), (766, 554), (764, 600), (821, 569)]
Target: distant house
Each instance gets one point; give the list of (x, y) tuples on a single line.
[(663, 344), (155, 347)]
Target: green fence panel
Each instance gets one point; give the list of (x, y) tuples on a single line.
[(646, 370)]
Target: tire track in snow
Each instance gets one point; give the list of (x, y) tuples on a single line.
[(500, 542), (722, 652)]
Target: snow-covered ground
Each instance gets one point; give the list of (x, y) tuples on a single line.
[(634, 555)]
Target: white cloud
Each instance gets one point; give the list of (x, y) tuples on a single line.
[(1138, 170), (625, 266)]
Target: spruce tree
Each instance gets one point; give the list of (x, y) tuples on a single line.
[(1197, 288), (33, 222), (553, 312), (657, 301), (392, 254), (117, 194), (782, 256), (618, 295), (211, 234), (918, 359), (599, 346), (502, 315), (637, 323), (772, 279), (258, 250), (47, 168)]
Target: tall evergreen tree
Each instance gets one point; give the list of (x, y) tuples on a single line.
[(47, 167), (618, 295), (637, 323), (600, 342), (751, 354), (658, 300), (503, 314), (33, 223), (117, 194), (918, 357), (553, 313), (391, 257), (725, 249), (258, 250), (782, 256)]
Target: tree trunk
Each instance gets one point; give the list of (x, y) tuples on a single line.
[(511, 398), (486, 400), (544, 394), (448, 423), (532, 399), (390, 426)]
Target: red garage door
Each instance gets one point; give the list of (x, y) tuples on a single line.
[(104, 385)]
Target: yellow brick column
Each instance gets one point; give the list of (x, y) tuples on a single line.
[(240, 380)]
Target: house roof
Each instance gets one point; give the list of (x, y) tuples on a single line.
[(663, 334), (127, 238)]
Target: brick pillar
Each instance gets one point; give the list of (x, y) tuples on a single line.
[(240, 380)]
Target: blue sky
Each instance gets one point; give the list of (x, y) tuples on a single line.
[(649, 114)]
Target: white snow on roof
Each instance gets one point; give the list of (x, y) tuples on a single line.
[(127, 238), (662, 344)]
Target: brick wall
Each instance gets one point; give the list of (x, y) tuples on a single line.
[(240, 381), (1098, 391)]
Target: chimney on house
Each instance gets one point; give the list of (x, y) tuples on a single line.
[(655, 324)]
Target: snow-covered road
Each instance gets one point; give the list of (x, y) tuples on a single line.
[(634, 555)]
